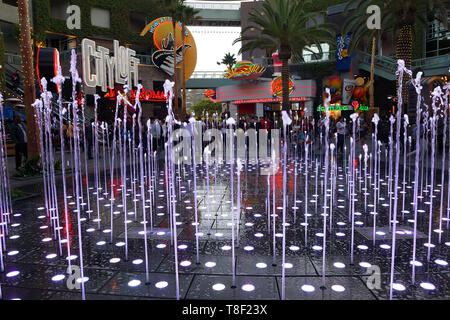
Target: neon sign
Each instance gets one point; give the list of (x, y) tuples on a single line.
[(334, 108), (145, 95), (360, 107), (244, 70), (210, 94), (277, 87), (47, 65), (355, 106)]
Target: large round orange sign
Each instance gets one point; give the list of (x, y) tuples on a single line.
[(162, 31)]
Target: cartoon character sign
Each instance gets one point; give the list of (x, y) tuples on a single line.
[(163, 38)]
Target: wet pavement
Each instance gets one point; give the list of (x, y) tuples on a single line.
[(33, 251)]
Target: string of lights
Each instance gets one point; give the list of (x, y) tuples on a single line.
[(26, 50)]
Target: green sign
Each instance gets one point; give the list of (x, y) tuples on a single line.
[(342, 108)]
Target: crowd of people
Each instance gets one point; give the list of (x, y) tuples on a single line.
[(158, 134), (305, 130)]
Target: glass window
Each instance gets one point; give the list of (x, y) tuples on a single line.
[(58, 9), (10, 2), (100, 17)]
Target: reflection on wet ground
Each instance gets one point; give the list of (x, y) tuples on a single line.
[(34, 253)]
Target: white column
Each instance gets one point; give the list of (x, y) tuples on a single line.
[(309, 108), (233, 109), (259, 110)]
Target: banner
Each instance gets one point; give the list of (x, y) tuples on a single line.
[(343, 59), (347, 91)]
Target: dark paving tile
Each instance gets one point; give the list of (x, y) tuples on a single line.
[(217, 264), (265, 288), (119, 285), (262, 265), (40, 277), (354, 288), (109, 280), (11, 293), (60, 295)]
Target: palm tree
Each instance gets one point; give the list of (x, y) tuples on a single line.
[(289, 27), (229, 60), (28, 78), (188, 15), (175, 8), (398, 16)]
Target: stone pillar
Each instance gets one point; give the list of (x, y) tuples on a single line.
[(309, 108), (233, 110), (259, 110)]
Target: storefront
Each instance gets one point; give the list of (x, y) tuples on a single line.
[(258, 99)]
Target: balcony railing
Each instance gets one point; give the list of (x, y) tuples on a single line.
[(207, 75), (326, 56), (214, 6), (144, 59), (441, 61), (11, 58), (386, 63)]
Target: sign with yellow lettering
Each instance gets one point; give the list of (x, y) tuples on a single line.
[(163, 38)]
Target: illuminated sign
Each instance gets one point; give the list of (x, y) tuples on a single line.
[(145, 95), (343, 60), (337, 107), (211, 94), (364, 108), (277, 87), (163, 39), (109, 70), (273, 100), (360, 107), (47, 64), (244, 70)]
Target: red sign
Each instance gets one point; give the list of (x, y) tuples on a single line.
[(210, 94), (47, 64), (273, 100), (277, 86), (276, 60), (145, 95)]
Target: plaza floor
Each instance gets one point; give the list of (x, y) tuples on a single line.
[(33, 251)]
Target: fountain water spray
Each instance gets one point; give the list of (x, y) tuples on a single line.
[(405, 136), (375, 120), (353, 116), (326, 124), (59, 80), (400, 71), (168, 92), (75, 80), (286, 122), (436, 94), (439, 94), (192, 121), (418, 87)]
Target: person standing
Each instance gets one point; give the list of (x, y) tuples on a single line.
[(19, 137), (156, 132), (15, 78), (164, 132), (340, 127), (364, 130)]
